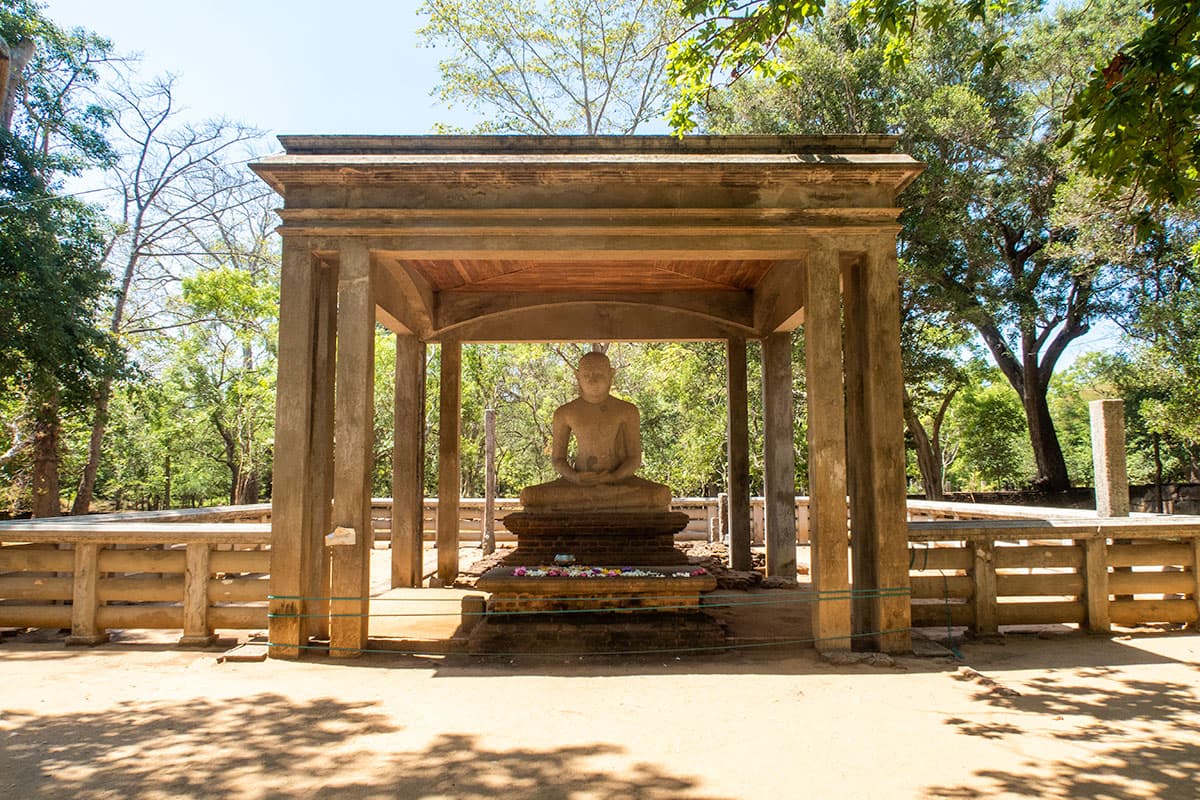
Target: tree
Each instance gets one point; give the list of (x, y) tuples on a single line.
[(52, 281), (1162, 321), (225, 363), (938, 363), (983, 226), (1136, 123), (554, 66), (987, 431), (169, 177)]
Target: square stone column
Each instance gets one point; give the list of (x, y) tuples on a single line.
[(738, 453), (779, 457), (408, 463), (353, 449), (827, 511), (1108, 457), (292, 558), (878, 507), (320, 493), (449, 475)]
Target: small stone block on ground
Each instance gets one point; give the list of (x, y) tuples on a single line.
[(247, 652)]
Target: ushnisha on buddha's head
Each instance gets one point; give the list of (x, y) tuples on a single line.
[(594, 376)]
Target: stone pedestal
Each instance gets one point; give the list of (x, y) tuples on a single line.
[(597, 538), (651, 605)]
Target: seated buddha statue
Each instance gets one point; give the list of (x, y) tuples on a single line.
[(608, 451)]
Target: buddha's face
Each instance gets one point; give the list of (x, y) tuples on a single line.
[(595, 377)]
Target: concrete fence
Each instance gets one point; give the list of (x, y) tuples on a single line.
[(980, 566), (1089, 572), (192, 576)]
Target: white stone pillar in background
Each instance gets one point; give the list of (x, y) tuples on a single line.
[(1108, 457)]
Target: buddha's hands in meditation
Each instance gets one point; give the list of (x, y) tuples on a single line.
[(591, 478)]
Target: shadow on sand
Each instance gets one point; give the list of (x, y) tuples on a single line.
[(267, 746), (1124, 752)]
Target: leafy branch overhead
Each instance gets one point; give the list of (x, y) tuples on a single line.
[(1135, 124)]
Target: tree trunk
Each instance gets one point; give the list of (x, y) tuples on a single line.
[(251, 488), (87, 481), (929, 461), (1051, 466), (231, 459), (13, 59), (46, 501)]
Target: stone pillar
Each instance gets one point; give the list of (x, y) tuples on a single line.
[(488, 536), (291, 515), (408, 464), (1108, 457), (827, 511), (85, 597), (317, 565), (353, 449), (449, 477), (878, 505), (196, 630), (779, 457), (738, 450), (858, 455)]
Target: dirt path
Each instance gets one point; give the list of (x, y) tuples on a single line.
[(1071, 716)]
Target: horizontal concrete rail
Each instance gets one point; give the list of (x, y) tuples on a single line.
[(259, 512), (67, 530)]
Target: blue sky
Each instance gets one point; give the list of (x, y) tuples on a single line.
[(300, 66)]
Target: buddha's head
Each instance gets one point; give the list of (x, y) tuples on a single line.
[(595, 376)]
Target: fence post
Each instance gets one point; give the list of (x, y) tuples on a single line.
[(85, 598), (723, 517), (1095, 554), (1196, 579), (196, 632), (758, 522), (984, 576)]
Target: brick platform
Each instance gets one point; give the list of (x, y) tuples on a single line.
[(601, 633), (594, 615), (511, 593)]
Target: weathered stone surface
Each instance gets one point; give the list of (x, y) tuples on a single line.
[(597, 539), (600, 633), (608, 451), (662, 591)]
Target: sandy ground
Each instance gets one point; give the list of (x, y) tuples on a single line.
[(1069, 716), (1055, 715)]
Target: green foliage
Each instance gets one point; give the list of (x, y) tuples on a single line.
[(1136, 122), (1134, 119), (731, 39), (223, 366), (51, 289), (987, 428), (553, 66), (1070, 392), (978, 223), (679, 389), (52, 283), (1151, 434)]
